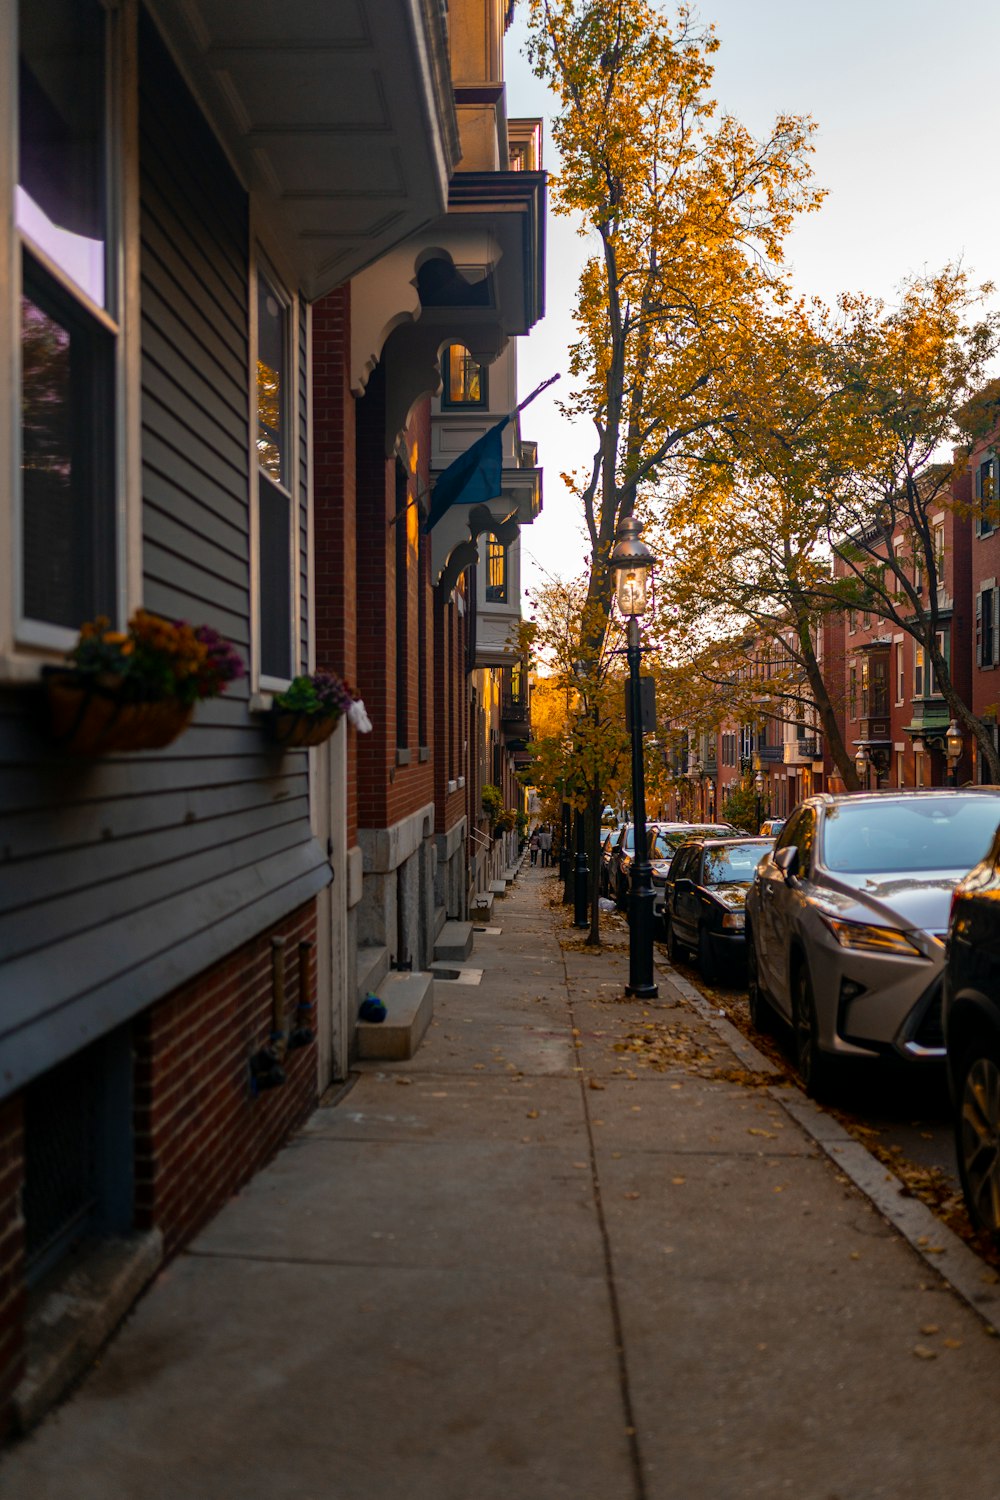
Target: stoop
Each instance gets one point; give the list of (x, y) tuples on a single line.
[(454, 941), (482, 904), (409, 1003), (498, 887)]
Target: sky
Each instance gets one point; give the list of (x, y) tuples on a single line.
[(904, 95)]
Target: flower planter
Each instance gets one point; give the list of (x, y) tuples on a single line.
[(93, 719), (297, 730)]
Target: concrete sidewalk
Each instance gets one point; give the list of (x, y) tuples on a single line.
[(573, 1249)]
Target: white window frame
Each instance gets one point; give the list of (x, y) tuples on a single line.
[(984, 527), (264, 263), (897, 642), (27, 644)]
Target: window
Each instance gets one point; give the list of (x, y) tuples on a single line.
[(874, 687), (918, 671), (942, 644), (464, 379), (900, 674), (275, 508), (69, 324), (496, 572), (852, 620), (986, 494), (939, 555), (853, 692), (987, 635)]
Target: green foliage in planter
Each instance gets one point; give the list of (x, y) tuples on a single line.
[(492, 801)]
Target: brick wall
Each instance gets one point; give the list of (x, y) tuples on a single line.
[(201, 1133), (12, 1291), (335, 510)]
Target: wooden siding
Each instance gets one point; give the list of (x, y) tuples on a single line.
[(122, 878)]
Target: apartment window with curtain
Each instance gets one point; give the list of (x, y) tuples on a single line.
[(939, 552), (900, 673), (275, 500), (70, 321), (496, 572), (465, 383), (918, 671), (986, 495), (852, 681)]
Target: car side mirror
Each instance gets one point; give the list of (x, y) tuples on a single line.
[(682, 883), (787, 860)]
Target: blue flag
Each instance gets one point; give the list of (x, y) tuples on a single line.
[(475, 477)]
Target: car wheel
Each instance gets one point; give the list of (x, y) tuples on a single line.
[(707, 961), (761, 1013), (813, 1064), (977, 1135)]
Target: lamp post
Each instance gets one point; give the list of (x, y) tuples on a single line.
[(631, 562), (710, 789), (758, 786), (953, 749), (861, 766)]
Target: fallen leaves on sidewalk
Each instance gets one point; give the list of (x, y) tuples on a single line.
[(660, 1046)]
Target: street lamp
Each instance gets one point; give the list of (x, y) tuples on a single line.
[(632, 562), (953, 748), (758, 785), (861, 764)]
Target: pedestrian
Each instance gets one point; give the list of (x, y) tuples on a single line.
[(533, 844), (545, 844)]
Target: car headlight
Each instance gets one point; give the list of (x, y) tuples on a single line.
[(865, 938), (734, 919)]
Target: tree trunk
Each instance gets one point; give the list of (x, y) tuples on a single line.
[(834, 739)]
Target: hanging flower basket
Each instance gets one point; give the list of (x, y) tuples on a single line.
[(136, 690), (311, 707), (297, 730)]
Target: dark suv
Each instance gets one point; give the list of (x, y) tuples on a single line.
[(971, 1013)]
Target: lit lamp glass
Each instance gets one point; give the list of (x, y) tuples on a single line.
[(861, 762), (631, 562), (953, 741)]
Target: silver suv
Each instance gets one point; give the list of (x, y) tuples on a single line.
[(847, 916)]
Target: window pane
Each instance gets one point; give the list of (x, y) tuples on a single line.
[(275, 584), (272, 388), (464, 382), (61, 194), (496, 572), (66, 439)]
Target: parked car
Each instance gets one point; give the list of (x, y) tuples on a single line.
[(971, 1016), (846, 921), (608, 840), (669, 838), (772, 827), (704, 897)]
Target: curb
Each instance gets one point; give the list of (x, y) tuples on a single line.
[(939, 1247)]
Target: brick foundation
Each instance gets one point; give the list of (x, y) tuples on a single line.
[(200, 1132)]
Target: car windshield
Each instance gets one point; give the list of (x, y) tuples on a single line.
[(668, 840), (734, 862), (872, 837)]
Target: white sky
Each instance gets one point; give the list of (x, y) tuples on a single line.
[(904, 93)]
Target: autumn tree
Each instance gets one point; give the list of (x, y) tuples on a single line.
[(579, 745), (689, 213), (745, 537), (911, 379)]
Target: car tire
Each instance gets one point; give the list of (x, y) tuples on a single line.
[(707, 961), (977, 1134), (762, 1017), (815, 1067)]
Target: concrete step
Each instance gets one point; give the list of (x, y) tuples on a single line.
[(511, 875), (454, 941), (409, 1003), (373, 966), (482, 904), (498, 887)]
